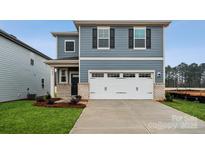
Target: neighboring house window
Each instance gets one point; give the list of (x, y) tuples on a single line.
[(139, 38), (69, 46), (63, 76), (31, 62), (103, 37), (42, 83)]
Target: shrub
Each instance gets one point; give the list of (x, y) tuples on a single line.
[(40, 99), (50, 101), (76, 99), (31, 96), (202, 99), (48, 96), (169, 97)]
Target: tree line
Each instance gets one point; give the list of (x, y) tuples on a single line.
[(185, 75)]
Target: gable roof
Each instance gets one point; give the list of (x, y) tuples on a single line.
[(17, 41), (164, 23)]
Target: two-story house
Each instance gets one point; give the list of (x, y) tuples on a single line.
[(110, 60), (22, 69)]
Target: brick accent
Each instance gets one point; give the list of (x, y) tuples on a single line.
[(159, 91), (83, 90), (63, 91)]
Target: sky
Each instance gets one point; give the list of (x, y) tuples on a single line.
[(184, 40)]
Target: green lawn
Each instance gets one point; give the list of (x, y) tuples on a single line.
[(21, 117), (192, 108)]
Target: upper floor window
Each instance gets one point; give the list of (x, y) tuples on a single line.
[(103, 37), (63, 76), (139, 38), (69, 46), (31, 62)]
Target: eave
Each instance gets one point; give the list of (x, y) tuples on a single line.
[(163, 23), (55, 34), (63, 63)]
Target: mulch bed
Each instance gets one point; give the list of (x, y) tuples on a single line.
[(59, 105)]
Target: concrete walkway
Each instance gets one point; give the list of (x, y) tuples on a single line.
[(131, 116)]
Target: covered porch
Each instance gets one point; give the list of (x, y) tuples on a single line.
[(64, 77)]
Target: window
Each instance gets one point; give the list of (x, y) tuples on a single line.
[(128, 75), (139, 38), (103, 37), (69, 45), (63, 76), (42, 83), (97, 75), (144, 75), (31, 62), (113, 75)]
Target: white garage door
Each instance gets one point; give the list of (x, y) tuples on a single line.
[(121, 85)]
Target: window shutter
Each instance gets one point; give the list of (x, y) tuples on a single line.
[(131, 38), (148, 38), (112, 38), (94, 38)]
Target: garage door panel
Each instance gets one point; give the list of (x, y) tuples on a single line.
[(145, 90)]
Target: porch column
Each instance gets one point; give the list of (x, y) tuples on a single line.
[(52, 80)]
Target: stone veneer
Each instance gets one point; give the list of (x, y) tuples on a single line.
[(63, 91), (159, 91), (83, 90)]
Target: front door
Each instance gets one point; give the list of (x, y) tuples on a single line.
[(74, 84)]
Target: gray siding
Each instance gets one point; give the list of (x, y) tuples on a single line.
[(121, 44), (120, 65), (16, 73), (60, 47)]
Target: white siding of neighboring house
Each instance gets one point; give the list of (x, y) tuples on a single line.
[(16, 73)]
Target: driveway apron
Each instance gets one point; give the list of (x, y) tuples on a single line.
[(134, 117)]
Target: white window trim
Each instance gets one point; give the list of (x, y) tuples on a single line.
[(65, 45), (104, 27), (66, 74), (136, 48)]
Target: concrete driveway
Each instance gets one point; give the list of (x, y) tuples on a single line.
[(131, 116)]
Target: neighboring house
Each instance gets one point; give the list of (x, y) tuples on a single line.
[(22, 69), (110, 60)]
